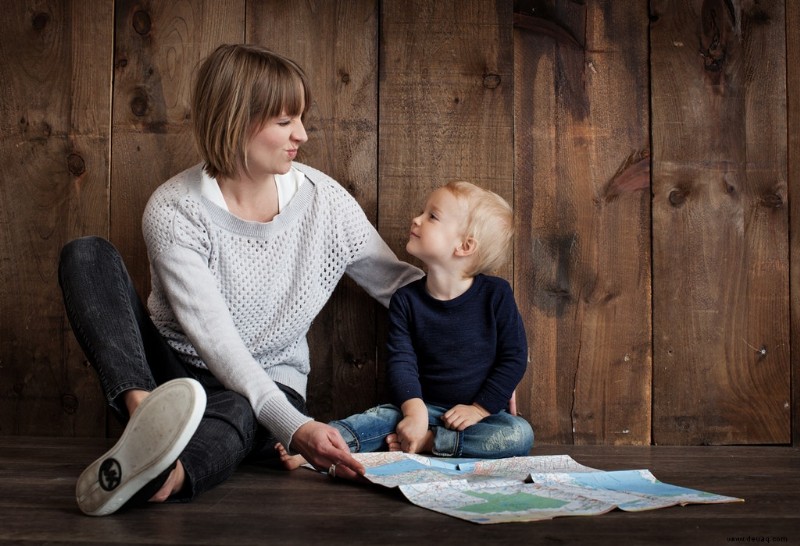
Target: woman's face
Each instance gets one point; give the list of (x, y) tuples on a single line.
[(273, 148)]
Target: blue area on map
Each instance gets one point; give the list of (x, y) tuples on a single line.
[(449, 466), (630, 481)]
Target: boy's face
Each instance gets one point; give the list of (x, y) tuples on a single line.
[(439, 230)]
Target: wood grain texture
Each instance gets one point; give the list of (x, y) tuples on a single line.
[(720, 223), (793, 170), (55, 112), (336, 43), (445, 102), (582, 269)]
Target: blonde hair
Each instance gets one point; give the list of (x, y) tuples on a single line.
[(490, 222), (238, 88)]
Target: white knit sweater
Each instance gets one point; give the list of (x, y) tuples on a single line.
[(238, 297)]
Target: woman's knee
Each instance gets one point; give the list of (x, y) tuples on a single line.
[(232, 411), (85, 251)]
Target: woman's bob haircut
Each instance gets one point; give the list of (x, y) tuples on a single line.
[(238, 88)]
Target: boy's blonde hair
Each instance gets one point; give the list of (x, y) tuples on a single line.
[(490, 222), (238, 88)]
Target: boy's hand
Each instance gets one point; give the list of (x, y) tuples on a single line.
[(412, 430), (462, 416), (411, 434)]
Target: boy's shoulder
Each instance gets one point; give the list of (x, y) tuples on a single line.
[(492, 282), (414, 287)]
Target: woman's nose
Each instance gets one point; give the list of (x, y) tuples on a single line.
[(299, 133)]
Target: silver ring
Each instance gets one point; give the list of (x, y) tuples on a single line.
[(332, 470)]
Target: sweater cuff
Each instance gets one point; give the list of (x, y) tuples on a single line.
[(282, 419), (491, 404)]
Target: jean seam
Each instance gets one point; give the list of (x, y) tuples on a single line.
[(352, 432)]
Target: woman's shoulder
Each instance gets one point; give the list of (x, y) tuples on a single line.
[(314, 175), (172, 195), (323, 182), (182, 184)]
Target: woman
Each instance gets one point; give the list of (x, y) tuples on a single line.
[(245, 249)]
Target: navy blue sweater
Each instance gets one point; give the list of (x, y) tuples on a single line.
[(471, 349)]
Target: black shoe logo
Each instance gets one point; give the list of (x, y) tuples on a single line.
[(110, 474)]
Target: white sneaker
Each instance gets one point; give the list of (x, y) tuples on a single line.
[(156, 434)]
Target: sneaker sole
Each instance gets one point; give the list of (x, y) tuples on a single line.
[(155, 436)]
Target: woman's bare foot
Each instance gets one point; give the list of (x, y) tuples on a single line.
[(393, 442), (289, 462), (173, 484), (133, 398)]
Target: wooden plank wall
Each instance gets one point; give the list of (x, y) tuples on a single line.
[(793, 160), (583, 214), (720, 223), (644, 148)]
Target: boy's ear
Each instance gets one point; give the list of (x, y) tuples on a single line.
[(467, 247)]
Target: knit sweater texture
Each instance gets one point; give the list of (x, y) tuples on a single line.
[(471, 349), (238, 297)]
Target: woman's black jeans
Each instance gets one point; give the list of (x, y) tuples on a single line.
[(123, 345)]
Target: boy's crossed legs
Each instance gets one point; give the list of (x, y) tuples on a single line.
[(497, 436)]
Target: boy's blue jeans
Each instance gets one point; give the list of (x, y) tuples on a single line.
[(496, 436), (123, 345)]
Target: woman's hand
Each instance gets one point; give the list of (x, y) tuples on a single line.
[(324, 447), (462, 416)]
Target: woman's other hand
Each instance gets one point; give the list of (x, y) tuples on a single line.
[(323, 447)]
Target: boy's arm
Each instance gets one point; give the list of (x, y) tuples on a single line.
[(403, 376), (412, 429), (402, 368), (511, 360)]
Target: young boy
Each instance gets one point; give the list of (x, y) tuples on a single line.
[(457, 345)]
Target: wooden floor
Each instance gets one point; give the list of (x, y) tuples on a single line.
[(265, 505)]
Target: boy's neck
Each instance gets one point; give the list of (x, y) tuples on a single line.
[(446, 285)]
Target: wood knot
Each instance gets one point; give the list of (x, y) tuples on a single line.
[(772, 200), (344, 76), (139, 103), (76, 165), (491, 81), (69, 403), (677, 197), (40, 20), (142, 23)]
